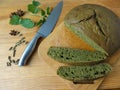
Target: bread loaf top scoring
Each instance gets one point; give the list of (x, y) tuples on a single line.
[(96, 25)]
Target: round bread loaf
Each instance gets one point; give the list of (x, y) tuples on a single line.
[(96, 25)]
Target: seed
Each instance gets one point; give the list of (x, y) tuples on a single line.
[(16, 62), (18, 33), (26, 42), (10, 48), (14, 48), (13, 33), (13, 61), (10, 61), (21, 35), (8, 64), (17, 43), (14, 52), (9, 57), (22, 38), (23, 41)]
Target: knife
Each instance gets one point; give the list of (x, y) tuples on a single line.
[(44, 31)]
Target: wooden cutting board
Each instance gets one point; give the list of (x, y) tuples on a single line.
[(62, 37), (38, 75)]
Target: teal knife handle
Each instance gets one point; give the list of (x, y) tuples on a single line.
[(28, 51)]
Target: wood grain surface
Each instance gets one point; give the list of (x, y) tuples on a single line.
[(38, 75)]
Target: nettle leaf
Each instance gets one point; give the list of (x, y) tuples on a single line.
[(48, 10), (32, 8), (42, 12), (27, 23), (15, 19), (35, 3), (43, 20), (40, 22)]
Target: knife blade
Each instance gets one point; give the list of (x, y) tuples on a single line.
[(44, 31)]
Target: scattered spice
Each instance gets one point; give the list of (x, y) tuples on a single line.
[(14, 53), (17, 61), (8, 64), (14, 33), (22, 38), (13, 49), (13, 61), (23, 41), (10, 48), (9, 57), (10, 61), (26, 42), (21, 35), (18, 12)]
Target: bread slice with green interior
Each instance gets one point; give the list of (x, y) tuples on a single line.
[(75, 56), (84, 73)]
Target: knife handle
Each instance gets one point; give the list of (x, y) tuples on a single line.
[(28, 51)]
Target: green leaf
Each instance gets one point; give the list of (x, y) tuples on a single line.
[(35, 3), (42, 12), (15, 20), (33, 9), (39, 23), (43, 20), (27, 23), (48, 10)]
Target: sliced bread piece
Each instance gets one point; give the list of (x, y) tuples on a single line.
[(84, 73), (96, 25), (75, 56)]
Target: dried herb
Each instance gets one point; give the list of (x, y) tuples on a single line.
[(13, 49), (14, 53), (8, 64), (26, 42), (14, 32), (10, 48), (9, 57), (20, 34), (18, 12), (13, 61), (10, 61), (17, 61)]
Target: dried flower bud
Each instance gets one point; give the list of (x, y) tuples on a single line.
[(18, 12), (14, 32)]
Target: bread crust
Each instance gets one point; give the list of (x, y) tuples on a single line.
[(96, 25)]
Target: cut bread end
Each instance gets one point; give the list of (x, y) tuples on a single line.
[(85, 38)]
